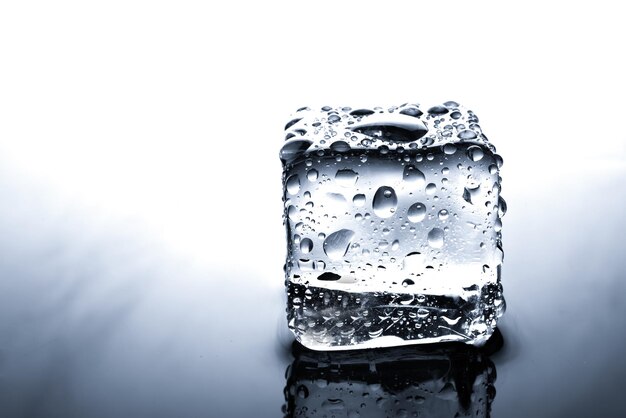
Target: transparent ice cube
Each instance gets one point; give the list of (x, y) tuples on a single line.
[(393, 227)]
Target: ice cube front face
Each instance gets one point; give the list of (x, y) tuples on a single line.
[(393, 227)]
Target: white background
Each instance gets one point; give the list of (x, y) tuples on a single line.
[(171, 113)]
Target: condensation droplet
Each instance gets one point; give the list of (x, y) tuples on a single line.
[(431, 188), (312, 175), (413, 176), (449, 149), (293, 184), (358, 200), (416, 212), (306, 245), (443, 214), (385, 202), (336, 244), (475, 153), (346, 177), (467, 134), (435, 238)]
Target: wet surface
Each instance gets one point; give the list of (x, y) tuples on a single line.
[(99, 320)]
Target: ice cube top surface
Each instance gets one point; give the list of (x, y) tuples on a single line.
[(405, 127), (393, 226)]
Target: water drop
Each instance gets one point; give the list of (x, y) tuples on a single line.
[(328, 277), (431, 188), (413, 261), (475, 153), (393, 127), (312, 175), (449, 149), (346, 177), (407, 282), (334, 118), (303, 392), (395, 245), (438, 110), (340, 146), (293, 184), (412, 111), (416, 212), (413, 176), (361, 112), (469, 195), (306, 245), (336, 244), (435, 238), (501, 206), (358, 200), (385, 202), (443, 214), (467, 134), (293, 149), (422, 313)]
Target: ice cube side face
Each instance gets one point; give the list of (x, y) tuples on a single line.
[(393, 227)]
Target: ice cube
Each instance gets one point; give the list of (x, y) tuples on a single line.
[(393, 227)]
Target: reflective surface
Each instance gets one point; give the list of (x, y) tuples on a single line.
[(97, 320)]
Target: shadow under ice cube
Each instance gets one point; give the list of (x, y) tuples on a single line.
[(393, 227)]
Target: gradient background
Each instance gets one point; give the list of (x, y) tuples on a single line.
[(141, 244)]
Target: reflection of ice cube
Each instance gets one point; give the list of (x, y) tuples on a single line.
[(393, 226), (434, 381)]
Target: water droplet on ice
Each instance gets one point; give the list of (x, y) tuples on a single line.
[(293, 184), (336, 244), (438, 110), (475, 153), (435, 238), (416, 212), (358, 200), (413, 261), (303, 392), (467, 134), (346, 177), (306, 245), (501, 206), (385, 202), (328, 277), (449, 149), (407, 282), (413, 175), (293, 149), (340, 146), (393, 127)]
